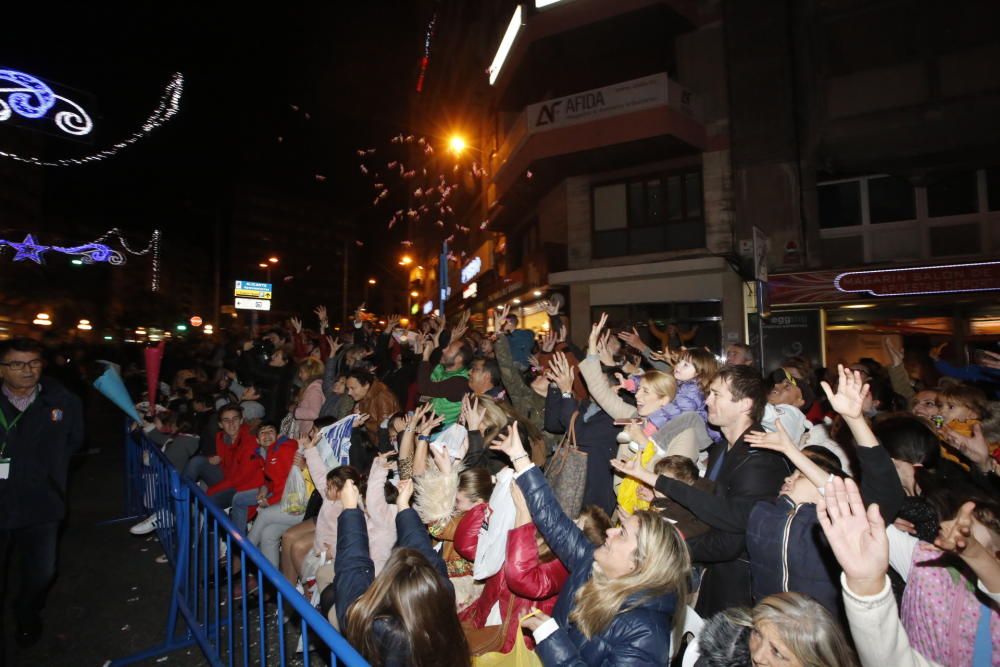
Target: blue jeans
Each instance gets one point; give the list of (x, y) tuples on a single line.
[(199, 469), (241, 504)]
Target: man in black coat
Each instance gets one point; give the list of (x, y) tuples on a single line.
[(742, 476), (41, 426)]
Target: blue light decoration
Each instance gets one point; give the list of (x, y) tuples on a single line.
[(90, 253), (32, 98)]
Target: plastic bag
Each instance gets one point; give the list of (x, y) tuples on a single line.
[(519, 656), (491, 550), (628, 497), (295, 495)]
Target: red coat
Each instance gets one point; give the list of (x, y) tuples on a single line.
[(277, 464), (523, 578), (242, 467)]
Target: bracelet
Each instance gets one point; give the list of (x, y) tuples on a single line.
[(424, 438), (516, 459), (408, 429)]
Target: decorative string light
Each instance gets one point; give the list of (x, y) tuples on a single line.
[(32, 98), (20, 101), (425, 61), (92, 252)]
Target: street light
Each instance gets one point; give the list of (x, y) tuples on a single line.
[(371, 281), (457, 144), (272, 260), (264, 265), (414, 294), (84, 325), (406, 260)]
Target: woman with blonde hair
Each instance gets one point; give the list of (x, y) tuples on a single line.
[(310, 398), (621, 599)]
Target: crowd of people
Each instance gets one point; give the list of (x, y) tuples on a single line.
[(601, 502)]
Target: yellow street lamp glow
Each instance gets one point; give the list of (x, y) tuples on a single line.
[(456, 144), (84, 321), (273, 260), (414, 294), (371, 281), (262, 265), (406, 260), (42, 316)]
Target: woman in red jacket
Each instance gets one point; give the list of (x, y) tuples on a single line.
[(531, 577)]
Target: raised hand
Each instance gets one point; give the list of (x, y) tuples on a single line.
[(633, 468), (499, 317), (857, 538), (405, 492), (429, 422), (633, 340), (561, 372), (472, 414), (894, 353), (990, 360), (334, 344), (509, 442), (561, 334), (391, 323), (296, 324), (550, 308), (595, 334), (359, 313), (779, 441), (458, 331), (604, 349), (851, 392), (360, 419), (548, 341), (321, 314), (442, 459), (975, 447), (349, 495), (935, 352)]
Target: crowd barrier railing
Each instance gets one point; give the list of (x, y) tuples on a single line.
[(211, 561)]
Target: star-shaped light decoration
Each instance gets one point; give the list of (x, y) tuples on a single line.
[(28, 249)]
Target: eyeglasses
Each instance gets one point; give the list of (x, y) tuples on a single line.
[(34, 364)]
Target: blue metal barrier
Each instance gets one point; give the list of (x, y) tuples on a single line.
[(191, 529)]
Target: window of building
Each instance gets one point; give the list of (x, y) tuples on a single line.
[(886, 219), (655, 213), (839, 204), (952, 194)]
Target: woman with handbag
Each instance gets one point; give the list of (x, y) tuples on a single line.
[(531, 577), (618, 605)]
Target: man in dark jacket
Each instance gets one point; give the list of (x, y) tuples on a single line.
[(41, 426), (742, 476)]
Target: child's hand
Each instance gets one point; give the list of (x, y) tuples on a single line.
[(645, 493), (778, 441)]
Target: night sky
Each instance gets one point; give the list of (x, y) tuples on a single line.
[(350, 66)]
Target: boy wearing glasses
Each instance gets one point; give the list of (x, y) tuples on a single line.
[(41, 426)]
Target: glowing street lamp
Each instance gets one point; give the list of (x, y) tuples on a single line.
[(84, 325), (456, 144), (414, 294), (272, 260), (371, 281), (406, 260), (263, 265)]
